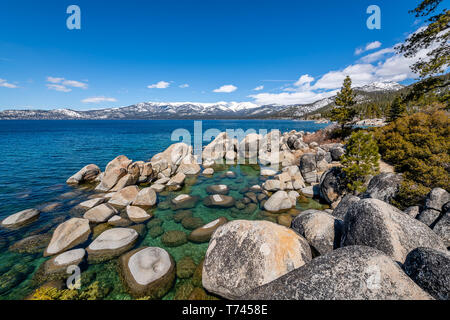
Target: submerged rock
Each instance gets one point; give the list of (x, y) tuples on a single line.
[(217, 189), (430, 269), (21, 218), (32, 244), (68, 235), (375, 223), (174, 238), (184, 201), (111, 243), (148, 271), (243, 255), (185, 267), (351, 273), (192, 223), (219, 201), (204, 233)]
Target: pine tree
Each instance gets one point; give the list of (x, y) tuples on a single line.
[(360, 161), (436, 34), (345, 100), (398, 109)]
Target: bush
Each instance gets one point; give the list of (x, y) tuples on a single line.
[(360, 161), (418, 146)]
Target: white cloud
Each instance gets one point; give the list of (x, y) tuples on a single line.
[(304, 79), (6, 84), (259, 88), (377, 55), (290, 98), (62, 84), (368, 47), (381, 66), (184, 85), (58, 87), (98, 100), (75, 84), (54, 79), (159, 85), (226, 88)]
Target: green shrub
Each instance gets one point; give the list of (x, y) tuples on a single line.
[(360, 161), (418, 146)]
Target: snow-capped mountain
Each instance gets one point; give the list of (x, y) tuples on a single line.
[(381, 86), (193, 110)]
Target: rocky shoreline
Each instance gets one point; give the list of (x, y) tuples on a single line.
[(357, 247)]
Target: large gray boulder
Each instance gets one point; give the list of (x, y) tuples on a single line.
[(243, 255), (331, 187), (115, 170), (442, 228), (436, 199), (146, 198), (278, 202), (351, 273), (336, 153), (124, 197), (111, 243), (308, 167), (322, 231), (412, 211), (430, 269), (344, 205), (87, 174), (383, 187), (377, 224), (67, 235), (429, 216), (100, 213)]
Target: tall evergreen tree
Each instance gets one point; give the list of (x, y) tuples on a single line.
[(398, 109), (345, 100), (437, 32), (360, 160)]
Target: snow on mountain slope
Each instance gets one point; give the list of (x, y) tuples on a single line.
[(193, 110), (381, 86)]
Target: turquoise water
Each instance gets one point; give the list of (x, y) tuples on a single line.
[(38, 156)]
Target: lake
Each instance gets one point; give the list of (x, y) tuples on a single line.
[(38, 156)]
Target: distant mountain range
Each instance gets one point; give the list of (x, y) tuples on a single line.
[(189, 110)]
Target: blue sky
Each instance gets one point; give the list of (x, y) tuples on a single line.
[(191, 50)]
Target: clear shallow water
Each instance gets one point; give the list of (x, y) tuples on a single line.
[(38, 156)]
